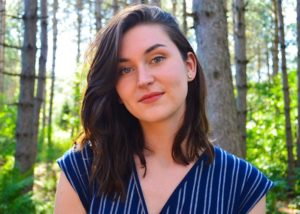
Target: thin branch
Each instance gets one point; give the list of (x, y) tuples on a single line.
[(10, 46), (14, 46), (21, 17), (13, 16), (25, 76)]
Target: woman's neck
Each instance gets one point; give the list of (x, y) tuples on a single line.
[(159, 138)]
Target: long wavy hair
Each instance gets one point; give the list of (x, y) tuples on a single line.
[(115, 135)]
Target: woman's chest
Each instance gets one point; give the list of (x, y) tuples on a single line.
[(159, 184), (197, 192)]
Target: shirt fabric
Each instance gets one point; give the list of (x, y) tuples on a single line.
[(227, 185)]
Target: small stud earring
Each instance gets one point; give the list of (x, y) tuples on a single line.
[(190, 76)]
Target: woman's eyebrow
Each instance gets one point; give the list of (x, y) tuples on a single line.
[(148, 50), (153, 47)]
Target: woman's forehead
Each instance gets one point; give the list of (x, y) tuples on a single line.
[(143, 37)]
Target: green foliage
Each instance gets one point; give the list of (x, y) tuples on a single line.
[(69, 119), (47, 153), (12, 198), (65, 116), (266, 145), (12, 184), (76, 98), (45, 187), (7, 129)]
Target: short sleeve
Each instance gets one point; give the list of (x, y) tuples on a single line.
[(76, 166), (255, 186)]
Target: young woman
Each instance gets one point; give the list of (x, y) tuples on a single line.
[(145, 147)]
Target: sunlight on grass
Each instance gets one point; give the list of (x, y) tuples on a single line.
[(44, 188)]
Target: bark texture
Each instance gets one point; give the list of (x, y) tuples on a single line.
[(25, 148), (79, 8), (98, 14), (2, 41), (41, 85), (115, 6), (174, 7), (286, 93), (258, 62), (241, 61), (211, 34), (139, 1), (184, 18), (275, 45), (54, 42), (135, 1), (156, 2), (268, 62)]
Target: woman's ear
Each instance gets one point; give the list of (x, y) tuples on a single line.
[(191, 65)]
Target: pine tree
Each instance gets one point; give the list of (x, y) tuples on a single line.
[(239, 9), (54, 43), (2, 41), (211, 34), (26, 150), (41, 85), (286, 93)]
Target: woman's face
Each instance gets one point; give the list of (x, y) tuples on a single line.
[(153, 79)]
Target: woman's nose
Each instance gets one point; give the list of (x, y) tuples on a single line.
[(145, 77)]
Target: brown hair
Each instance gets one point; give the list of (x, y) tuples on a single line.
[(115, 134)]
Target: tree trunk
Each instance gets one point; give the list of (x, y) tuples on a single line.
[(139, 1), (25, 148), (41, 85), (54, 42), (156, 2), (286, 93), (211, 34), (184, 18), (135, 1), (91, 18), (98, 14), (259, 62), (275, 39), (298, 74), (241, 61), (267, 54), (79, 8), (115, 6), (43, 123), (174, 7), (2, 41), (268, 63)]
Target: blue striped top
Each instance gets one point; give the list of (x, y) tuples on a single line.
[(228, 185)]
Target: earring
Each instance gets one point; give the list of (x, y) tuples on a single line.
[(190, 75)]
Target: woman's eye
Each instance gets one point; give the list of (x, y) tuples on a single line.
[(125, 70), (157, 59)]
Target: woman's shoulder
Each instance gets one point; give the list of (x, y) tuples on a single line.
[(250, 183), (227, 159), (77, 155), (76, 165), (77, 161), (237, 165)]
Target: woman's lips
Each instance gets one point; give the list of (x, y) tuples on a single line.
[(151, 97)]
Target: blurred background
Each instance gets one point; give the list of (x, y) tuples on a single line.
[(249, 51)]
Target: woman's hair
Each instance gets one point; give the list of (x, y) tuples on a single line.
[(116, 135)]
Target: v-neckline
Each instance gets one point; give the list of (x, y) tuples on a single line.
[(177, 188)]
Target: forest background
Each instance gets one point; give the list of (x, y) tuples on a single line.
[(249, 51)]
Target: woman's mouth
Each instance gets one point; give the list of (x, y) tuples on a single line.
[(150, 97)]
